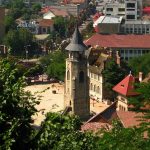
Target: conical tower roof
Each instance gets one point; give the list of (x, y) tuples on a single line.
[(76, 42), (126, 86)]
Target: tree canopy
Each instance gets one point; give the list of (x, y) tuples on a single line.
[(140, 64), (54, 64), (16, 109), (61, 132), (113, 74), (19, 41)]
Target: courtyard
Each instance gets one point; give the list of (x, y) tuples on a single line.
[(52, 100)]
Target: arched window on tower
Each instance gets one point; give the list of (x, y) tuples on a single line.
[(68, 75), (81, 77), (94, 88)]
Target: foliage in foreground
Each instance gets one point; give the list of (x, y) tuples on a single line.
[(63, 132), (57, 132), (16, 108)]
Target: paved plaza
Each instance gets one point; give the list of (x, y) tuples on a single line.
[(54, 102)]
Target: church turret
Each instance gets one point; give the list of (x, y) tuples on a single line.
[(76, 93)]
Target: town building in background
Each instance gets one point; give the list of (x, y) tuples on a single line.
[(129, 46)]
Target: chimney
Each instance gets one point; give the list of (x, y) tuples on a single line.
[(117, 58), (140, 76)]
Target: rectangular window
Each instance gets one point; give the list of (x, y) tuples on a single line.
[(121, 9), (130, 51), (109, 9), (130, 5), (130, 16), (139, 51)]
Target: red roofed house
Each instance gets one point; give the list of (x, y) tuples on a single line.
[(129, 46), (104, 119), (46, 26), (125, 89), (50, 13)]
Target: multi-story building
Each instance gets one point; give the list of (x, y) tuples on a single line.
[(2, 27), (133, 9), (135, 27), (114, 9), (129, 46), (130, 9), (108, 24)]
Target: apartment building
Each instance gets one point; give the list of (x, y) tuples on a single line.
[(130, 9), (133, 9), (114, 9)]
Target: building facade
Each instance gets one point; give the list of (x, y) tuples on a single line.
[(135, 27), (114, 9), (133, 9), (129, 46), (76, 93)]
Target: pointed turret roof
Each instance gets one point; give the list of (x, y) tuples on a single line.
[(126, 86), (76, 42)]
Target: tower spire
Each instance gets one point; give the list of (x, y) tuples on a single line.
[(76, 43)]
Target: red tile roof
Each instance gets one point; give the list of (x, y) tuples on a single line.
[(73, 1), (55, 11), (95, 126), (59, 12), (126, 86), (119, 41), (46, 22), (105, 116), (130, 118)]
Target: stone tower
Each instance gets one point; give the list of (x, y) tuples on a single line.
[(76, 93)]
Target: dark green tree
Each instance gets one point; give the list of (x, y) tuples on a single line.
[(143, 99), (17, 107), (9, 23), (140, 64), (113, 74), (60, 25), (36, 7), (20, 41), (54, 64)]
